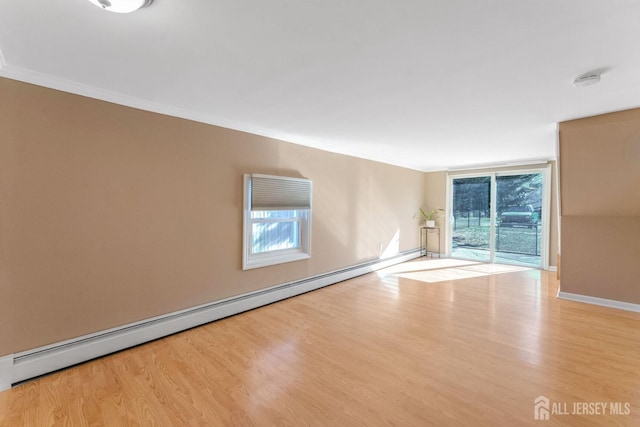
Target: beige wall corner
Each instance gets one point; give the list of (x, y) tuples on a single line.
[(6, 292), (435, 197), (600, 172)]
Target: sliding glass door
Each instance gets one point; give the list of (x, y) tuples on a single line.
[(471, 223), (500, 217), (518, 236)]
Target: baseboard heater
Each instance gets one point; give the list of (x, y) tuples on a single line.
[(22, 366)]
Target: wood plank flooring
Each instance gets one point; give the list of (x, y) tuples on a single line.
[(429, 342)]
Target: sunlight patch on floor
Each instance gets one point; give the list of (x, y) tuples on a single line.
[(463, 270), (498, 268), (432, 264)]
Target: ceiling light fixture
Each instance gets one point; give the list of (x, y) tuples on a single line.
[(587, 79), (121, 6)]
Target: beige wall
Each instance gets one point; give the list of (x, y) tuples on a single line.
[(600, 180), (110, 215), (436, 196)]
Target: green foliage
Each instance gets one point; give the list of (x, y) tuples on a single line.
[(432, 214), (474, 194), (519, 190)]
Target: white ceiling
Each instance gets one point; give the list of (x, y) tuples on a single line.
[(426, 84)]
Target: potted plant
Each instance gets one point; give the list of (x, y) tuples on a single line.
[(431, 216)]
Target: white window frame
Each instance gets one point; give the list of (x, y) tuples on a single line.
[(544, 169), (279, 256)]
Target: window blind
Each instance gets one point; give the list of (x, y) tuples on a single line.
[(270, 192)]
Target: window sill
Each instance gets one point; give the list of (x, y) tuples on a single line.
[(265, 260)]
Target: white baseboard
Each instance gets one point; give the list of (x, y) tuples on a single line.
[(32, 363), (552, 268), (6, 365), (621, 305)]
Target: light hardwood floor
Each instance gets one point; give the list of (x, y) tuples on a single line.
[(419, 344)]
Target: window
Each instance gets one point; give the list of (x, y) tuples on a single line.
[(500, 216), (277, 220)]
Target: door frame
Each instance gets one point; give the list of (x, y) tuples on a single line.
[(544, 169)]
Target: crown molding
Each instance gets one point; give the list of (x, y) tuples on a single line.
[(69, 86)]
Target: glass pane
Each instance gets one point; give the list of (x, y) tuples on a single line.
[(519, 219), (276, 214), (471, 218), (272, 236)]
